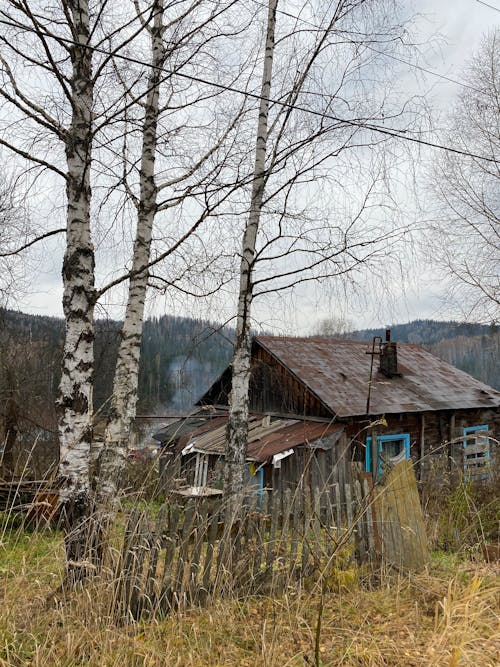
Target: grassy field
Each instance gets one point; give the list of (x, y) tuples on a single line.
[(447, 615)]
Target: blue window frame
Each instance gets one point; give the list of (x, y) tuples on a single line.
[(389, 446), (476, 464)]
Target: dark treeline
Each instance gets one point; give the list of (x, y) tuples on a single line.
[(474, 348), (426, 332), (180, 357), (477, 355)]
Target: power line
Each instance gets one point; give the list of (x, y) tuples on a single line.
[(398, 134), (383, 53), (486, 4)]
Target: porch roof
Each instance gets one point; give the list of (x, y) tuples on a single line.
[(266, 436)]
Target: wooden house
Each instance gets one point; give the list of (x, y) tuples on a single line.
[(348, 401)]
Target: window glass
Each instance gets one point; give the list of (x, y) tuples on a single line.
[(390, 449)]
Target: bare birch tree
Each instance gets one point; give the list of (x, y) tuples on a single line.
[(70, 66), (73, 39), (464, 233), (50, 126), (190, 27), (294, 151), (127, 368), (237, 429)]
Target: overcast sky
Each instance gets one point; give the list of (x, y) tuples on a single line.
[(452, 31)]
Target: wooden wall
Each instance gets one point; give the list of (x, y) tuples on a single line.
[(435, 437), (273, 388)]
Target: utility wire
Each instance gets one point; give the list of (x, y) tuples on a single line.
[(383, 53), (486, 4), (390, 132)]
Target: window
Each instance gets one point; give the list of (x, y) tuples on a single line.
[(476, 452), (391, 448)]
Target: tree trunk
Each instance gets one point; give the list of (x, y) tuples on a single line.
[(126, 380), (237, 428), (10, 418), (11, 424), (75, 391)]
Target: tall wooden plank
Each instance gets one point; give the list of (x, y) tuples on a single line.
[(316, 528), (198, 535), (338, 510), (125, 566), (154, 553), (178, 582), (329, 526), (360, 518), (342, 463), (368, 504), (404, 541), (273, 529), (139, 550), (209, 553), (260, 536), (306, 535), (171, 544), (294, 530), (348, 506)]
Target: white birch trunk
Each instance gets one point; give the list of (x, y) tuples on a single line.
[(75, 392), (125, 385), (237, 428)]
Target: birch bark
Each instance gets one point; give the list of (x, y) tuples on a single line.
[(123, 407), (75, 392), (237, 428)]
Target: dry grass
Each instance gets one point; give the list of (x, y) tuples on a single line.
[(446, 616)]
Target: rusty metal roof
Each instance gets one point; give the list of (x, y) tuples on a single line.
[(289, 437), (266, 436), (178, 428), (338, 371)]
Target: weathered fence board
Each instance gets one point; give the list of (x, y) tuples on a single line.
[(400, 520)]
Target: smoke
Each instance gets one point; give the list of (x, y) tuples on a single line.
[(190, 380)]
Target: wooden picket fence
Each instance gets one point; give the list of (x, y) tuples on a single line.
[(187, 554)]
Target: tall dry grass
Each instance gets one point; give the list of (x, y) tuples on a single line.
[(447, 615)]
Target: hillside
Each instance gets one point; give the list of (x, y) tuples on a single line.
[(180, 357), (426, 332), (474, 348)]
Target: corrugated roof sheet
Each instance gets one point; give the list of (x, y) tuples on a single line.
[(266, 437), (289, 437), (338, 372), (178, 428)]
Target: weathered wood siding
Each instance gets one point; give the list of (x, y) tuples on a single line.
[(273, 388), (438, 436)]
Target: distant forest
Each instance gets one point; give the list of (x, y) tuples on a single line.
[(181, 357)]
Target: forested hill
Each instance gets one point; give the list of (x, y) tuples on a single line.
[(477, 355), (181, 357), (427, 332), (474, 348)]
